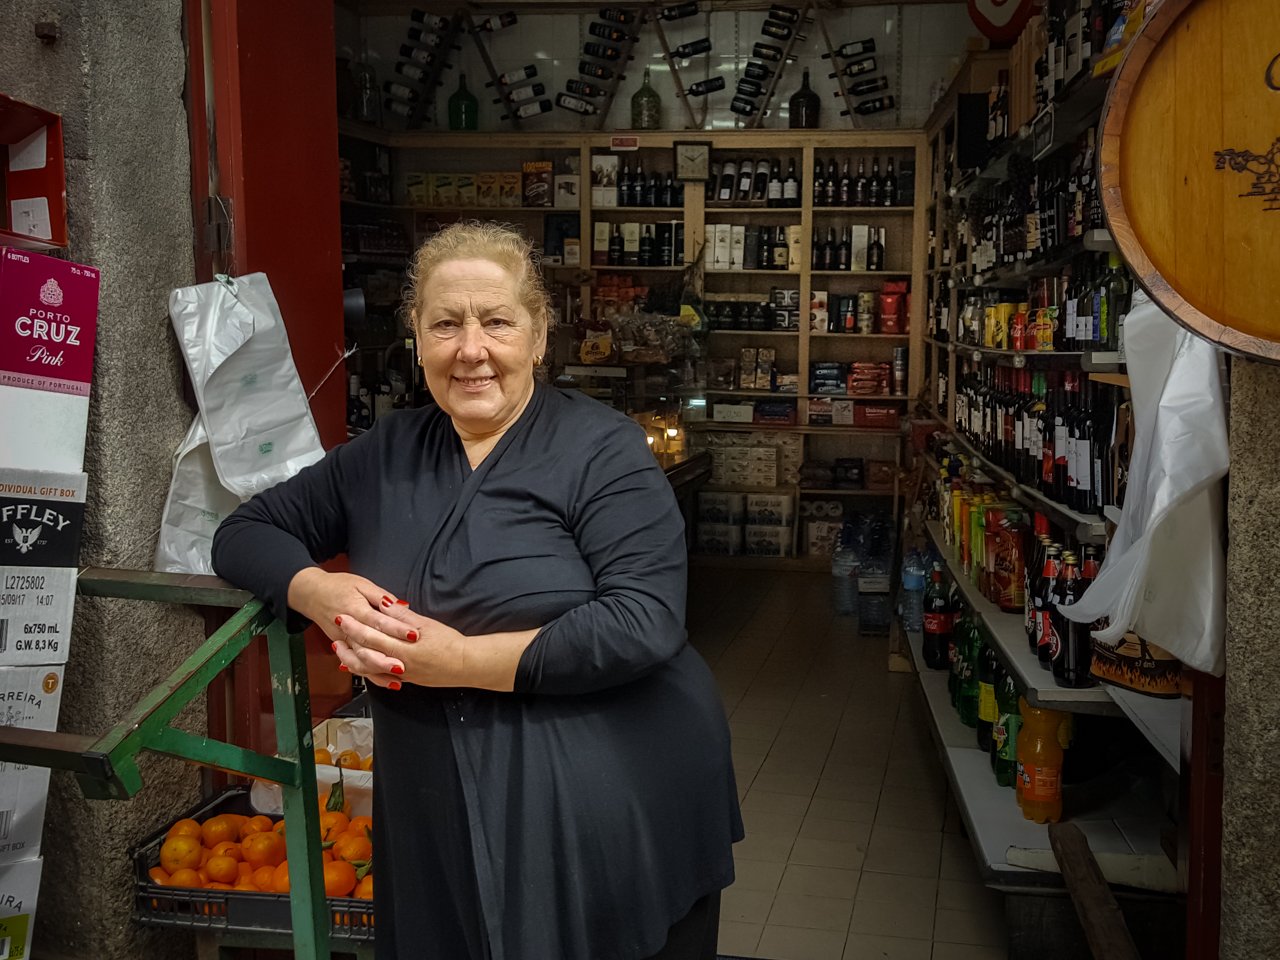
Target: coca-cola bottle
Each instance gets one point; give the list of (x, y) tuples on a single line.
[(1045, 596), (937, 622)]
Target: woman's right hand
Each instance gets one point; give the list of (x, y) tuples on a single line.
[(326, 598)]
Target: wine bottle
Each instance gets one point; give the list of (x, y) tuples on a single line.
[(637, 186), (617, 15), (703, 87), (512, 77), (828, 258), (844, 250), (728, 182), (749, 88), (845, 193), (819, 186), (831, 189), (611, 33), (652, 190), (757, 71), (742, 106), (861, 184), (615, 243), (646, 246), (624, 185), (889, 186), (767, 51), (779, 31), (868, 107), (691, 49), (781, 250), (420, 38), (791, 186), (774, 196), (873, 185), (669, 192), (602, 51), (805, 105), (746, 171), (596, 71), (678, 11), (857, 68), (412, 71), (528, 110), (864, 87), (875, 250), (785, 14), (583, 88), (490, 24), (760, 190), (464, 108), (646, 106), (429, 21), (576, 104), (853, 49), (398, 107), (764, 244), (520, 94)]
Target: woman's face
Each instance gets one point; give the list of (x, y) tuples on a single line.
[(478, 345)]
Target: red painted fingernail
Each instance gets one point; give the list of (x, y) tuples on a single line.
[(397, 670), (342, 666), (411, 636), (386, 601), (338, 621), (393, 685), (333, 647), (402, 603)]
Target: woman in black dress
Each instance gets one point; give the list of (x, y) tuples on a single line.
[(553, 778)]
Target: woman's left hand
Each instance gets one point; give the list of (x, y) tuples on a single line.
[(430, 653)]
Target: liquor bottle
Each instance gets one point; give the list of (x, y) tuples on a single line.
[(781, 250), (678, 11), (637, 185), (491, 24), (703, 87), (889, 186), (844, 251), (618, 15), (415, 70), (860, 185), (873, 185), (856, 69), (575, 104), (750, 88), (875, 250), (775, 185), (819, 185), (844, 192), (855, 48), (791, 186), (652, 190), (784, 14), (829, 251), (464, 108), (398, 107), (937, 621), (805, 105), (584, 88), (988, 711), (596, 71), (602, 51), (1035, 566), (764, 243), (1072, 651), (646, 106), (615, 246), (646, 246), (520, 94), (815, 251), (527, 110), (779, 31), (757, 71), (868, 107), (1004, 736), (606, 32), (429, 21), (1118, 297), (1061, 434), (742, 106), (865, 88), (624, 185), (767, 51), (1045, 592), (760, 190), (692, 49), (399, 90), (728, 182), (668, 192)]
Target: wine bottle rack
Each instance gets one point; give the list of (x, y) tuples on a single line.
[(840, 78), (807, 11), (420, 109), (509, 105), (694, 122)]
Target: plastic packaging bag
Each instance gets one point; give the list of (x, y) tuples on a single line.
[(255, 426), (337, 734), (1164, 576)]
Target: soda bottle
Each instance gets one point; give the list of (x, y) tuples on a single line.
[(1004, 735), (987, 709), (1035, 566), (1045, 591), (1073, 653), (913, 589), (1040, 755), (937, 622), (967, 690), (954, 658), (844, 574)]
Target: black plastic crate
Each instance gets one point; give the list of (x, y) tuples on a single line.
[(235, 911)]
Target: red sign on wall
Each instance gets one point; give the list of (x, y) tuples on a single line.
[(1001, 21)]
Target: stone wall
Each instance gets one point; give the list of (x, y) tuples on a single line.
[(116, 74)]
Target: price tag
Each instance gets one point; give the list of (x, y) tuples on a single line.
[(621, 144)]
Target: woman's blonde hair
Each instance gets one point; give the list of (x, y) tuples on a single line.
[(498, 243)]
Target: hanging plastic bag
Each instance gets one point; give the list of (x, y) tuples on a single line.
[(1164, 576), (254, 428)]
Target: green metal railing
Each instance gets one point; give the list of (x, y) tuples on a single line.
[(106, 766)]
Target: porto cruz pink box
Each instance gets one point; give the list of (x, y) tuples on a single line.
[(48, 319)]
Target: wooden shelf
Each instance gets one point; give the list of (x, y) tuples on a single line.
[(752, 273), (845, 492), (754, 333), (864, 210), (752, 211), (364, 131), (491, 210), (612, 269), (862, 336), (873, 274), (1115, 379), (372, 204), (700, 425), (750, 393), (663, 211)]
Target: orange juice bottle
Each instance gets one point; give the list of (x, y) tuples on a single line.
[(1040, 758)]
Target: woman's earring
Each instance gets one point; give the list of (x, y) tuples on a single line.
[(537, 361)]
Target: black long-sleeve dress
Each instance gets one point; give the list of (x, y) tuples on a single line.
[(580, 816)]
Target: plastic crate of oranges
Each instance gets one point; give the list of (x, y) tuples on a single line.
[(223, 866)]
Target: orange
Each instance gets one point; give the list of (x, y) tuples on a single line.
[(203, 874), (246, 885), (217, 885), (159, 875), (326, 856), (333, 824), (349, 760), (205, 854), (361, 825), (323, 757), (280, 879), (227, 848), (279, 827), (263, 849), (180, 852), (258, 824), (185, 828), (219, 829), (353, 847), (364, 889), (185, 877), (245, 870), (339, 878), (367, 763), (223, 869), (263, 877), (346, 804), (237, 818)]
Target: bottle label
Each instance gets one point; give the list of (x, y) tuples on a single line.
[(775, 189), (986, 702), (1042, 784), (1053, 639), (937, 622), (1009, 724), (790, 190)]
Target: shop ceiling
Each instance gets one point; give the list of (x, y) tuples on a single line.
[(378, 8)]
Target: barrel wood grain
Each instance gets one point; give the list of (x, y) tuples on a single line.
[(1192, 84)]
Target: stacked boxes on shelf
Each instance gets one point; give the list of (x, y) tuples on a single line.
[(822, 522), (756, 459), (46, 362), (757, 524)]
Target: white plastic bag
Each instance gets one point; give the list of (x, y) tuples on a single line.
[(255, 426), (1164, 576)]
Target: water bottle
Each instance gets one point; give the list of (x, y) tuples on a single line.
[(844, 574), (913, 583)]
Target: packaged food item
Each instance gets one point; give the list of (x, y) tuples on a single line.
[(537, 183)]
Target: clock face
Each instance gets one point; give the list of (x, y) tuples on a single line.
[(692, 161)]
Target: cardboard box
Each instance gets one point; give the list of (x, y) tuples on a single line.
[(465, 184), (50, 310), (795, 247), (537, 183), (604, 180), (722, 248), (723, 539), (880, 475), (737, 246), (36, 606), (573, 252), (843, 412), (721, 507), (30, 697), (733, 412), (19, 886), (770, 509), (488, 190), (631, 244), (568, 191), (41, 517), (418, 188), (510, 188), (878, 416), (860, 242), (444, 190), (762, 541), (747, 357), (820, 537)]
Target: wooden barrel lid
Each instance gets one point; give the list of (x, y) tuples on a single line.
[(1191, 167)]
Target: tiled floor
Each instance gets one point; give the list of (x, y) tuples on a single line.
[(854, 850)]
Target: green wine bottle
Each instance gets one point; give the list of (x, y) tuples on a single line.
[(464, 108), (646, 107)]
